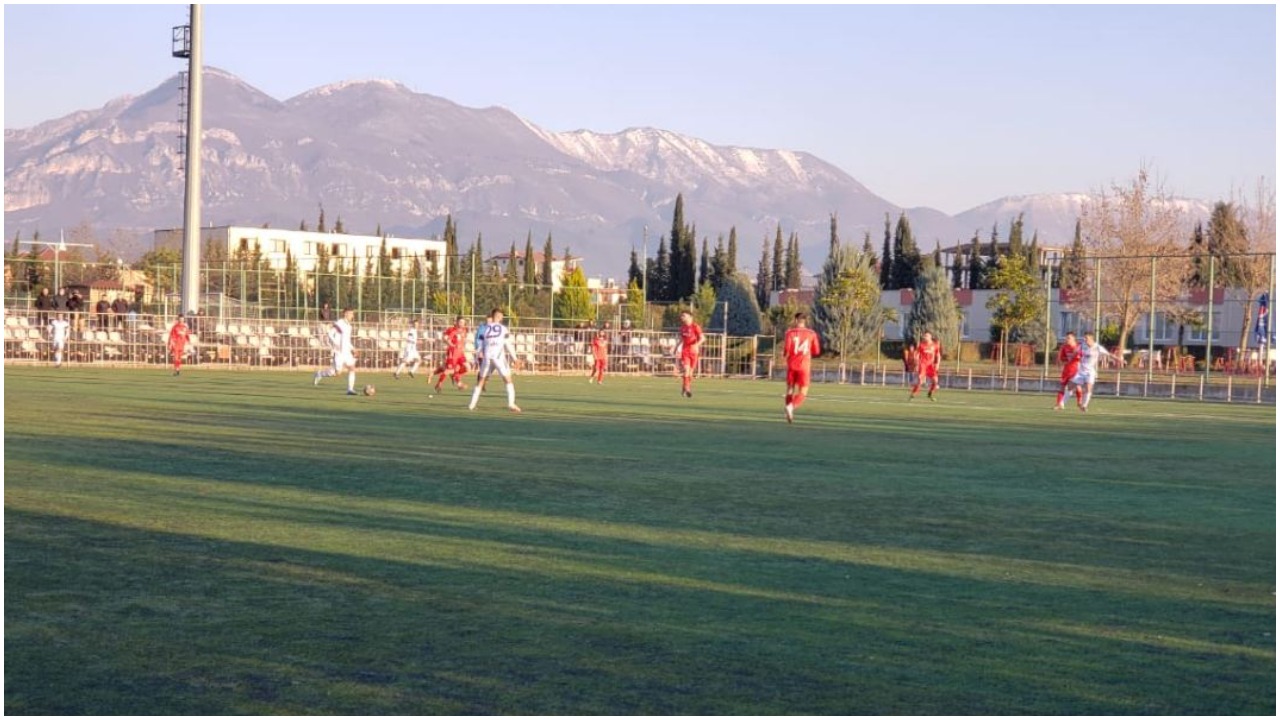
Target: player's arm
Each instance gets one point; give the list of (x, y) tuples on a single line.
[(815, 348)]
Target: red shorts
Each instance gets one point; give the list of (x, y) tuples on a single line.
[(689, 361), (797, 378), (455, 362), (1069, 372), (929, 371)]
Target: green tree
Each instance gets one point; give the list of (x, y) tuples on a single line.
[(634, 273), (1017, 310), (530, 270), (573, 302), (934, 309), (513, 269), (1074, 273), (764, 283), (720, 268), (633, 310), (977, 265), (1227, 242), (731, 261), (320, 227), (735, 293), (778, 278), (704, 264), (906, 255), (158, 267), (847, 313), (834, 239), (793, 269), (548, 255), (660, 280), (886, 258), (341, 229), (704, 304)]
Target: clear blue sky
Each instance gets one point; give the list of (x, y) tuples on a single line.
[(942, 106)]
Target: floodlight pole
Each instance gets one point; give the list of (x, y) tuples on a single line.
[(193, 50)]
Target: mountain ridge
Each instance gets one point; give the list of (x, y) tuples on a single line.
[(374, 152)]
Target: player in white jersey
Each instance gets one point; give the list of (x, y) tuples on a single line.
[(341, 337), (410, 356), (494, 340), (1090, 353), (59, 328)]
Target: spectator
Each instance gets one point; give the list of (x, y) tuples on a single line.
[(75, 306), (101, 309), (60, 301), (120, 307), (326, 313), (44, 303)]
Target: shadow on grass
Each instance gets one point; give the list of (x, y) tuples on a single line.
[(106, 619)]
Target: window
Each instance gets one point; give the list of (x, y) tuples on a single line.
[(370, 252), (1069, 322), (244, 244), (280, 246), (338, 249), (1197, 333), (308, 248), (1164, 330), (395, 253), (964, 324)]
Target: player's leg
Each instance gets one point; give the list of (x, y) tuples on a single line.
[(933, 381), (505, 372), (482, 375), (1088, 395), (351, 376)]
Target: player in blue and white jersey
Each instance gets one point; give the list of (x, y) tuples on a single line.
[(494, 339)]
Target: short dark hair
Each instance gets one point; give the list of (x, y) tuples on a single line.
[(801, 316)]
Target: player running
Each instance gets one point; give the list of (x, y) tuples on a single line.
[(344, 354), (409, 357), (455, 355), (1069, 356), (928, 356), (600, 352), (798, 346), (1090, 353), (479, 344), (179, 334), (59, 329), (690, 346), (494, 344)]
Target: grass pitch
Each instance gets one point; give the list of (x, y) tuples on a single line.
[(225, 542)]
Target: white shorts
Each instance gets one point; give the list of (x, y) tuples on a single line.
[(410, 355), (343, 360), (489, 366), (1084, 377)]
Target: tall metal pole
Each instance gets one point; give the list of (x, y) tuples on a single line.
[(644, 279), (1151, 322), (1208, 333), (1097, 297), (191, 218), (1048, 318), (1269, 328)]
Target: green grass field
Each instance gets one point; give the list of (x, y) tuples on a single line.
[(236, 542)]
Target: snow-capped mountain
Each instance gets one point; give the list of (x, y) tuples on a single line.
[(373, 152)]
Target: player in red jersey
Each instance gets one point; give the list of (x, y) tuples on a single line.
[(690, 346), (600, 352), (799, 345), (1069, 355), (928, 356), (455, 356), (178, 336)]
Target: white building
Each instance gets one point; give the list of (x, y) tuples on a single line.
[(498, 264), (355, 253)]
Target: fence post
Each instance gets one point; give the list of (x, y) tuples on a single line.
[(1151, 327), (1208, 333)]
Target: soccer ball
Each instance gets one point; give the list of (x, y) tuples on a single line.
[(370, 390)]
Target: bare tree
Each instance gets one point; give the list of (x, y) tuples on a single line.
[(1126, 227), (1253, 271)]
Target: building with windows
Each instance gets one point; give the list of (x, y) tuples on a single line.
[(353, 253), (497, 264)]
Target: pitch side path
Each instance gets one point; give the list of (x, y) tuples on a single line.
[(245, 543)]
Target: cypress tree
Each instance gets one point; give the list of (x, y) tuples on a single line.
[(778, 279), (320, 225), (513, 271), (793, 261), (1074, 275), (731, 262), (764, 280), (834, 240), (977, 266), (957, 268), (530, 271), (847, 312), (341, 229), (635, 276), (704, 264), (1015, 236), (1199, 252), (685, 274), (660, 283), (548, 256), (866, 247), (906, 256), (886, 259), (720, 270)]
